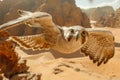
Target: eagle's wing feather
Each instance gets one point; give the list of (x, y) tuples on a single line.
[(99, 46), (32, 41), (25, 16), (49, 36), (16, 22)]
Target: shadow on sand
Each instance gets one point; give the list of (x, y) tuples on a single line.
[(56, 54)]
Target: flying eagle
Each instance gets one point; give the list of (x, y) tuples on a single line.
[(97, 43)]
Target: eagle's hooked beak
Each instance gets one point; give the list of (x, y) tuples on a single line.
[(65, 33), (72, 34), (76, 35)]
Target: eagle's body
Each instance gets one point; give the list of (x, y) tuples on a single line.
[(67, 47), (97, 43)]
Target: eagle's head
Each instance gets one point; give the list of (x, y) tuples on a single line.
[(73, 32)]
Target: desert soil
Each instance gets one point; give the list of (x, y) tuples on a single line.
[(56, 66)]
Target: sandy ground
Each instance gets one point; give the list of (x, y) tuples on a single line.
[(56, 66)]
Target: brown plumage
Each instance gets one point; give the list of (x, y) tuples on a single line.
[(99, 46), (97, 43)]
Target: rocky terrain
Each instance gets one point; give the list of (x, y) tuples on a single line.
[(97, 13), (64, 12), (104, 16), (112, 20)]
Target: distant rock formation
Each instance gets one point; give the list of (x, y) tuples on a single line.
[(112, 20), (117, 19), (97, 13), (64, 12)]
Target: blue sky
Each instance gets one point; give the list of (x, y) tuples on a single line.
[(98, 3)]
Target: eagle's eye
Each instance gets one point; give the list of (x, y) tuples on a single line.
[(84, 33)]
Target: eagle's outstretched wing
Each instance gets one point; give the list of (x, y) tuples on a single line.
[(34, 42), (99, 45), (25, 17), (34, 19)]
